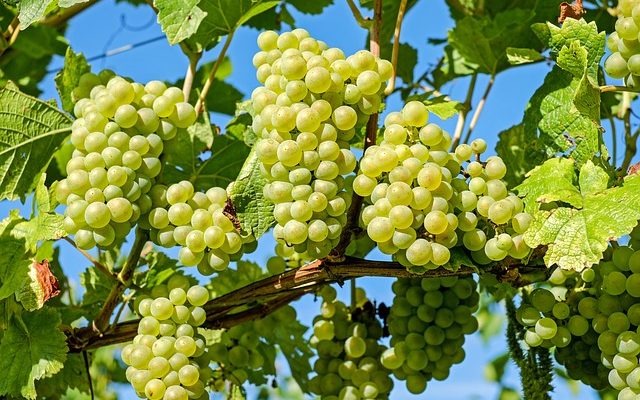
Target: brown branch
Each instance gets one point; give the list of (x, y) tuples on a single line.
[(396, 45), (101, 322), (262, 297), (66, 14), (479, 108), (212, 73), (462, 116), (615, 88), (99, 266)]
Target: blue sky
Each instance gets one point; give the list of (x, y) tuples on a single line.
[(108, 25)]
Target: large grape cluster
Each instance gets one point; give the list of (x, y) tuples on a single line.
[(118, 137), (312, 100), (348, 364), (624, 62), (427, 322), (197, 222), (168, 359), (423, 200), (595, 324)]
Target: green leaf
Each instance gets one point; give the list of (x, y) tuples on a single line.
[(45, 226), (14, 265), (179, 19), (97, 288), (443, 108), (72, 376), (574, 30), (576, 238), (246, 192), (518, 56), (227, 157), (408, 57), (573, 58), (181, 154), (240, 128), (75, 64), (31, 11), (43, 197), (32, 348), (30, 132), (310, 7), (555, 180), (515, 149), (224, 17), (69, 3)]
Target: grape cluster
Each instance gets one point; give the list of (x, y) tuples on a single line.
[(624, 62), (348, 364), (168, 359), (118, 137), (595, 324), (197, 222), (427, 322), (422, 202), (312, 100)]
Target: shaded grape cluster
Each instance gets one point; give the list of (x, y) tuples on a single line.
[(594, 325), (624, 62), (348, 348), (312, 101), (423, 200), (118, 137), (168, 358), (197, 222), (428, 322)]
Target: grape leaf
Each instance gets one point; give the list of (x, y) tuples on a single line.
[(72, 376), (44, 226), (98, 286), (75, 64), (408, 56), (515, 149), (310, 7), (179, 19), (224, 17), (230, 279), (32, 348), (552, 181), (14, 266), (227, 157), (30, 11), (519, 56), (573, 58), (246, 192), (181, 154), (30, 132), (575, 238), (240, 128)]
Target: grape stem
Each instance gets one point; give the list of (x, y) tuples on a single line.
[(363, 22), (462, 116), (631, 139), (267, 295), (212, 73), (479, 108), (99, 266), (616, 88), (396, 45), (101, 322), (191, 73)]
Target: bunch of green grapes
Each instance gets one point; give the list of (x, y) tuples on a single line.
[(118, 137), (428, 322), (594, 326), (312, 101), (238, 351), (424, 200), (624, 62), (347, 343), (197, 222), (168, 358)]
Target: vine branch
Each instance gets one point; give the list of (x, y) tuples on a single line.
[(66, 14), (99, 266), (191, 73), (101, 322), (262, 297), (212, 73), (479, 108), (615, 88), (362, 21), (462, 116), (396, 45)]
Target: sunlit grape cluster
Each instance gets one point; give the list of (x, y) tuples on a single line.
[(197, 222), (347, 343), (423, 200), (118, 137), (595, 324), (312, 101), (428, 322), (168, 358), (624, 62)]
